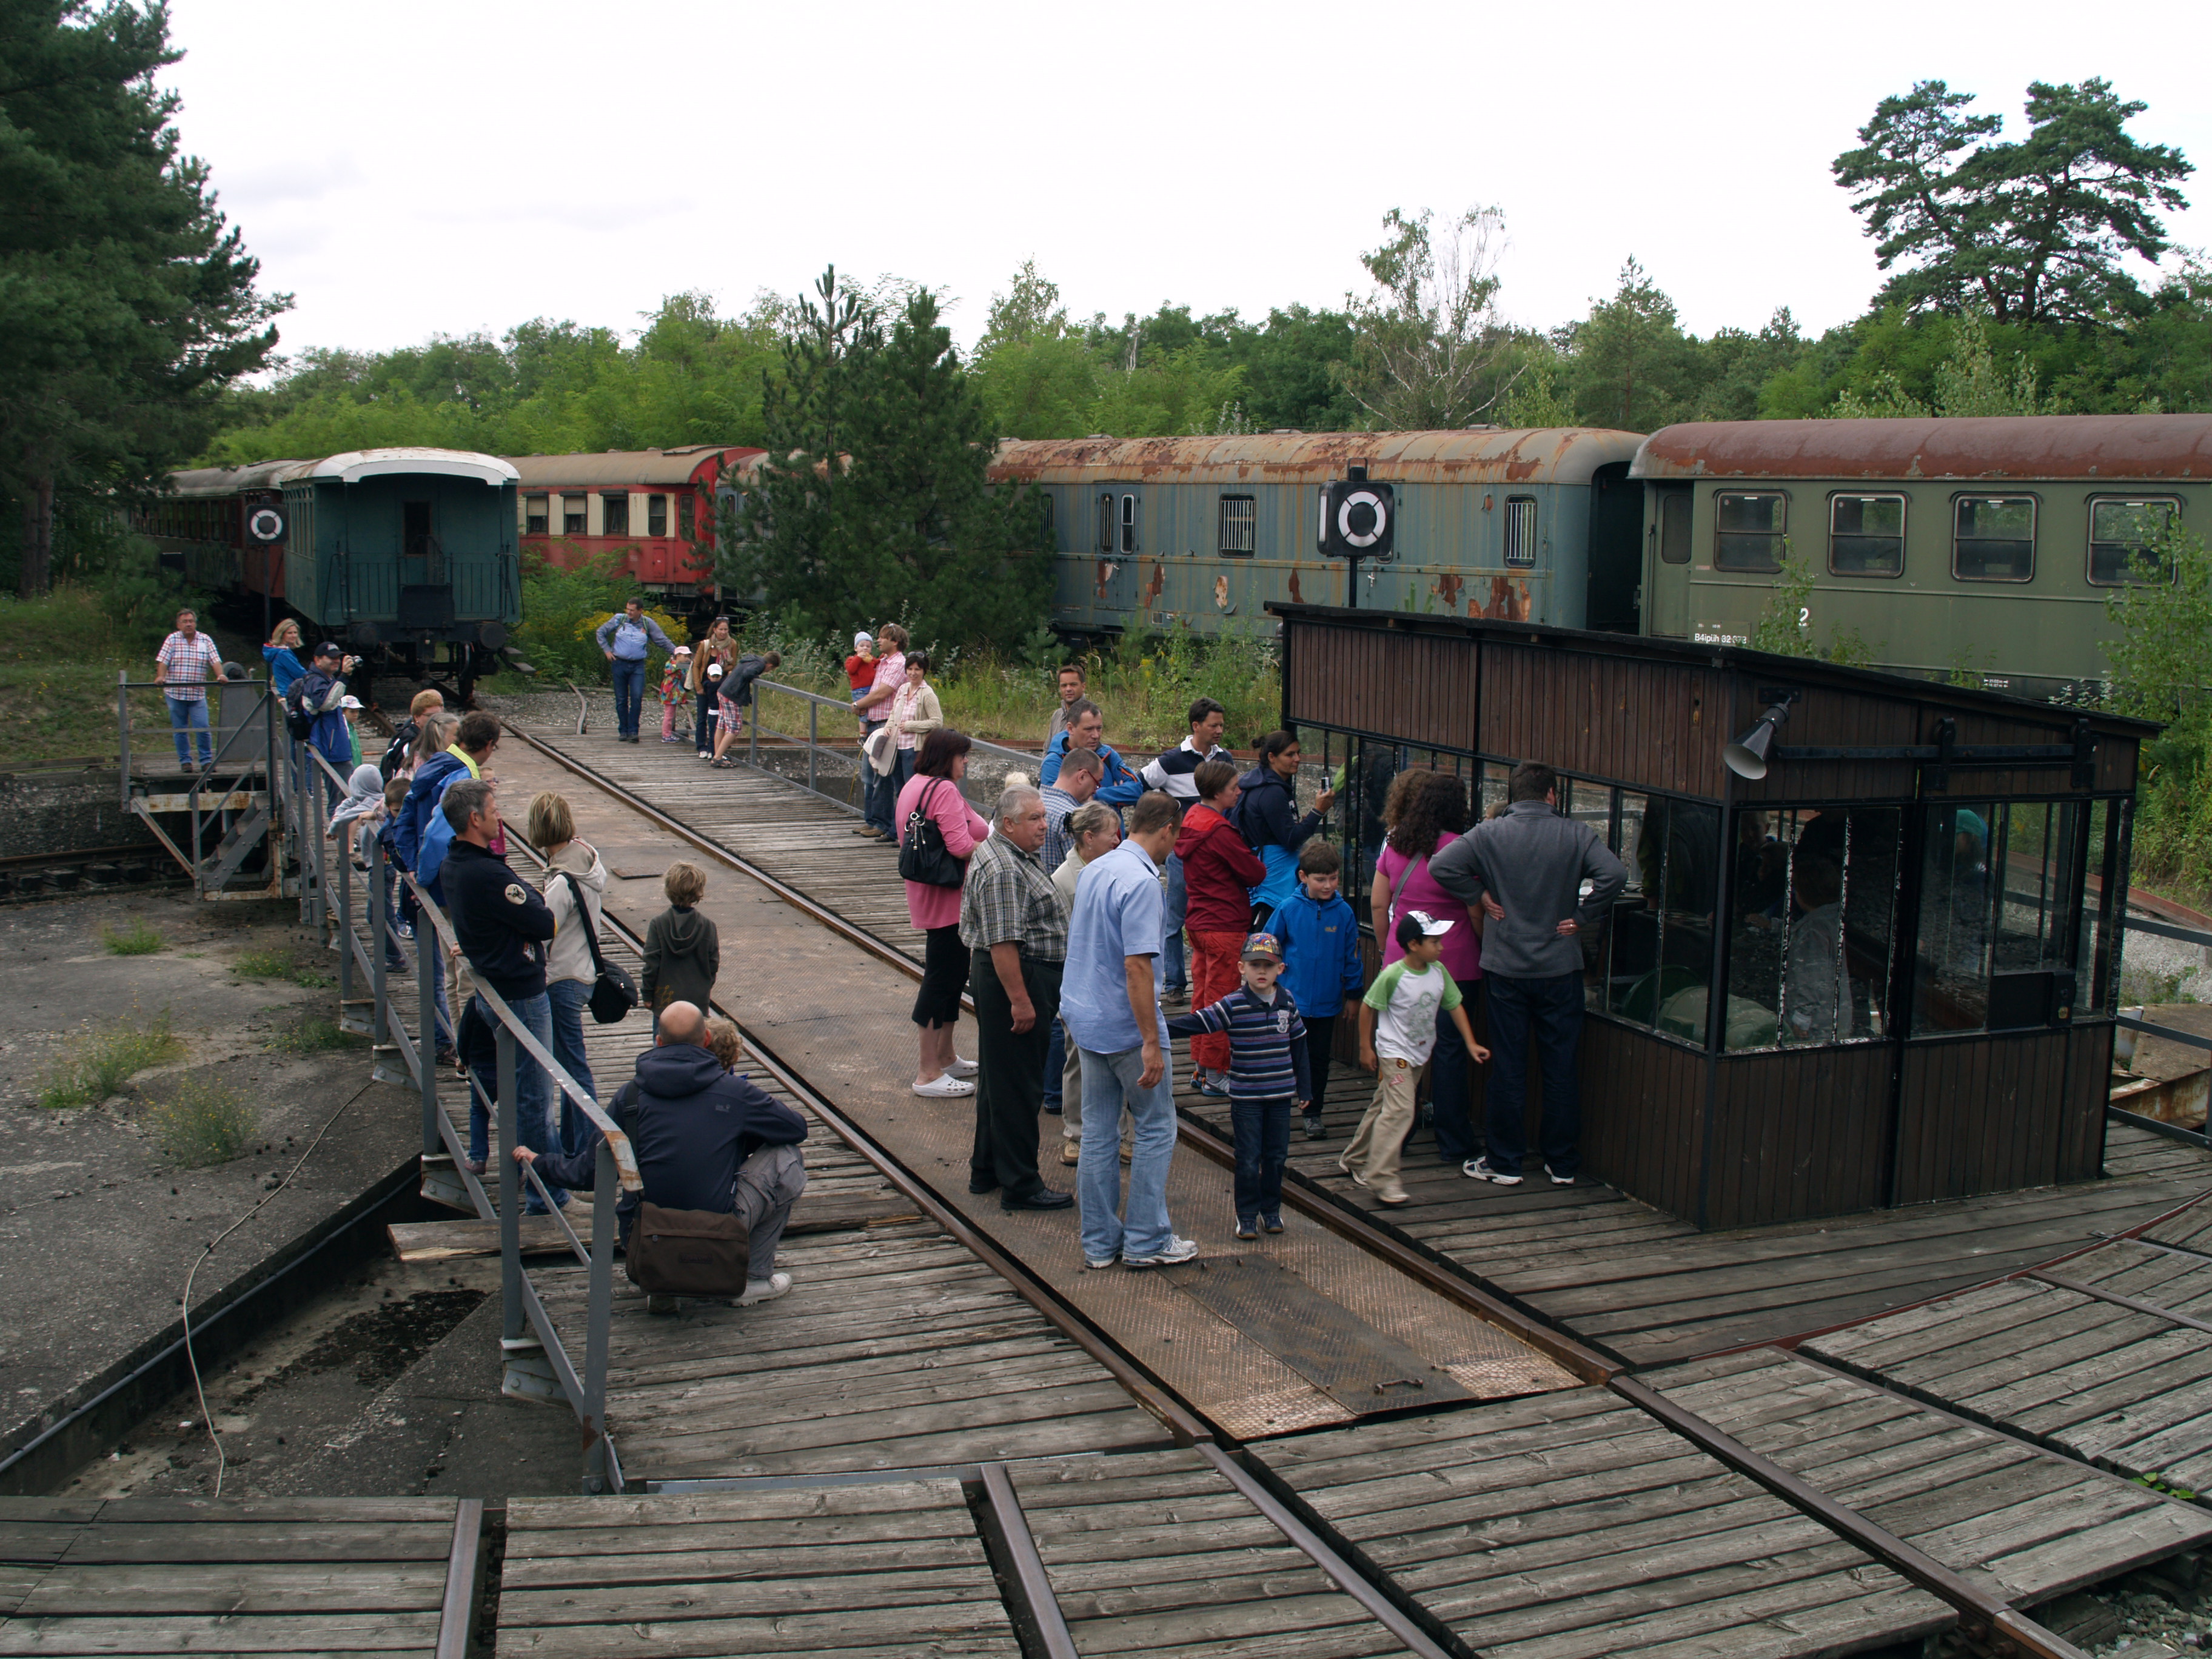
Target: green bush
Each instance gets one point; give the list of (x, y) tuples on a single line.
[(138, 939), (98, 1061), (561, 611), (201, 1124)]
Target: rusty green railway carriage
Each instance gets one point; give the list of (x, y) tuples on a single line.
[(1202, 533), (1981, 547)]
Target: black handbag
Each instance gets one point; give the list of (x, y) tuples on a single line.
[(614, 992), (923, 856)]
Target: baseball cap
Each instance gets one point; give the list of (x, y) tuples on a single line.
[(682, 650), (713, 671), (328, 648), (1419, 924), (1262, 944), (349, 702)]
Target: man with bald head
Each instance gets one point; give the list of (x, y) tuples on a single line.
[(706, 1138)]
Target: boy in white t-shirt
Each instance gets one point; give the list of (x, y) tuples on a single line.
[(1397, 1029)]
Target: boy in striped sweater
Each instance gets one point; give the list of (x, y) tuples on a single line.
[(1268, 1077)]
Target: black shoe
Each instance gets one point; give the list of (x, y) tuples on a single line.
[(1052, 1111), (1271, 1224), (1315, 1129), (1045, 1198), (981, 1184)]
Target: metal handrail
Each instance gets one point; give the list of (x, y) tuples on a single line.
[(616, 1171), (219, 746), (816, 703)]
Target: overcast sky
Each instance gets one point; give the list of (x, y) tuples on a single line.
[(408, 168)]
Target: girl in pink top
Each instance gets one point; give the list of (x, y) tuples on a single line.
[(934, 790), (1431, 821)]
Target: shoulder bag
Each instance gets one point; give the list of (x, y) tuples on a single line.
[(923, 855), (614, 993), (703, 1253)]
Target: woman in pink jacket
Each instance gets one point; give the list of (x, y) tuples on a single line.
[(934, 790)]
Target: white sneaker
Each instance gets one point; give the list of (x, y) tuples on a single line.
[(764, 1290), (1177, 1250), (960, 1068), (944, 1086), (1477, 1169)]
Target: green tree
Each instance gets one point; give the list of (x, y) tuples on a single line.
[(2162, 657), (877, 503), (126, 301), (2036, 230), (1425, 354), (1634, 368)]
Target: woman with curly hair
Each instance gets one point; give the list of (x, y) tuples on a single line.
[(1426, 823)]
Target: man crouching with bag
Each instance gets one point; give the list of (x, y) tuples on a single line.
[(721, 1169)]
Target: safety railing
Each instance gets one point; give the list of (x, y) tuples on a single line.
[(2202, 939), (246, 760), (836, 770), (524, 1320)]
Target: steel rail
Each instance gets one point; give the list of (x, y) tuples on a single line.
[(1037, 1596)]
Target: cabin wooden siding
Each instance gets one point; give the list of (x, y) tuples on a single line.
[(1796, 1133), (1420, 690)]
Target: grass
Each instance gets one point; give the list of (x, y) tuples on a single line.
[(280, 964), (316, 1034), (59, 656), (138, 939), (99, 1061), (201, 1124)]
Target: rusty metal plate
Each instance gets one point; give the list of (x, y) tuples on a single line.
[(1359, 1367)]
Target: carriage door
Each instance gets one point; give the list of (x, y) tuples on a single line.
[(1666, 562), (1616, 565), (426, 593), (1114, 576)]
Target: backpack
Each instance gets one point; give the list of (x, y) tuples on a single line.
[(395, 753), (299, 719), (923, 855)]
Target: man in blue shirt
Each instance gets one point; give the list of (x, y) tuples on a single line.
[(632, 634), (1086, 729), (1110, 1004)]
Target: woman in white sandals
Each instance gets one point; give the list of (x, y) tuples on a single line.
[(934, 791)]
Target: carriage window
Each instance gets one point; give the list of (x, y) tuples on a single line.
[(656, 515), (1051, 540), (614, 514), (1240, 526), (1812, 895), (1106, 524), (1674, 529), (1997, 917), (572, 515), (1749, 531), (1866, 535), (1993, 538), (2124, 535), (1520, 532), (1129, 523), (533, 515), (1651, 962), (687, 509)]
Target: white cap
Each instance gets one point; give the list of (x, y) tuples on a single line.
[(681, 651), (713, 671), (351, 702), (1429, 926), (861, 639)]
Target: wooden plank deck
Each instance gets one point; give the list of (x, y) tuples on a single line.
[(1628, 1279), (863, 1570), (1574, 1526), (1159, 1554), (261, 1576), (2024, 1524)]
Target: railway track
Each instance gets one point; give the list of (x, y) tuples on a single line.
[(1737, 1437)]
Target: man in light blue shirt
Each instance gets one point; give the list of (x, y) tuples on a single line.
[(625, 639), (1109, 1002)]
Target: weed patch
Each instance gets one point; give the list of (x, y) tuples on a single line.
[(100, 1059), (280, 964), (315, 1036), (203, 1123), (138, 939)]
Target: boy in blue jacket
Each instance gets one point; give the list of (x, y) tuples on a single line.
[(1322, 968), (1267, 1079)]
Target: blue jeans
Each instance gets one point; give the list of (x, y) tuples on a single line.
[(1174, 978), (1109, 1082), (569, 998), (1455, 1141), (189, 713), (1262, 1130), (881, 798), (1549, 1010), (1055, 1062), (629, 693)]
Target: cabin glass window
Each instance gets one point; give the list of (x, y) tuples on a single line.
[(687, 511), (1749, 530), (1129, 523), (1239, 534), (1993, 538), (572, 515), (534, 514), (1675, 528), (614, 513), (1866, 535), (1651, 964), (1812, 893), (1998, 917), (656, 515), (2126, 535), (1106, 525), (1520, 532)]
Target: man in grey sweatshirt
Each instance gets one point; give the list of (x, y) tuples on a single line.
[(1526, 868)]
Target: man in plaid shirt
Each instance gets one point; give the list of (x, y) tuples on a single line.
[(1011, 919), (187, 661)]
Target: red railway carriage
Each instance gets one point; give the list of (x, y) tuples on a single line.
[(654, 508)]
